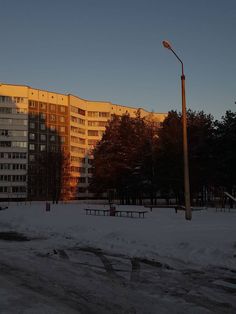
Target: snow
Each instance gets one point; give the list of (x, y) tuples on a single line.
[(207, 244), (209, 239)]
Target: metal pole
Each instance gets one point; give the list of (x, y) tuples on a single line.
[(188, 211)]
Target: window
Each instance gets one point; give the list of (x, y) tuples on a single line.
[(2, 99), (53, 148), (74, 109), (31, 147), (42, 116), (32, 136), (16, 99), (82, 180), (77, 169), (5, 144), (52, 128), (77, 130), (90, 161), (81, 121), (19, 110), (32, 125), (73, 119), (62, 119), (13, 155), (43, 106), (18, 189), (77, 149), (52, 107), (63, 139), (19, 144), (62, 109), (17, 133), (52, 117), (32, 114), (17, 166), (97, 123), (92, 142), (13, 121), (62, 129), (81, 111), (78, 159), (74, 139), (92, 113), (12, 133), (42, 148), (104, 114), (92, 133), (5, 110), (43, 137), (81, 141), (4, 133), (3, 189), (31, 157), (78, 110), (32, 104), (52, 138), (42, 127), (77, 120)]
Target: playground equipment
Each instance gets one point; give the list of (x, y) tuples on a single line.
[(228, 201)]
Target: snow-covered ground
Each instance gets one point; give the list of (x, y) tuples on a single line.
[(77, 263)]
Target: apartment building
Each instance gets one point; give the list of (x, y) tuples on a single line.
[(47, 139)]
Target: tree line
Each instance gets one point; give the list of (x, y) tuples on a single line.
[(138, 158)]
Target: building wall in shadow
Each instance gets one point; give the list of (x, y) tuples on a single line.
[(48, 152), (13, 147)]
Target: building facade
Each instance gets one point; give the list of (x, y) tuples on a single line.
[(47, 139)]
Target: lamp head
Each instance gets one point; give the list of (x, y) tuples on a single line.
[(166, 44)]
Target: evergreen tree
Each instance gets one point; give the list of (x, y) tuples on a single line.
[(119, 158), (170, 154), (201, 132), (225, 150)]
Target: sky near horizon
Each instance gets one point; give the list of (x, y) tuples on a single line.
[(111, 50)]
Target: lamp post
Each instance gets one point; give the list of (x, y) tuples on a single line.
[(188, 212)]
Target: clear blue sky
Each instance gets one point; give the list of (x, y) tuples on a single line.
[(111, 50)]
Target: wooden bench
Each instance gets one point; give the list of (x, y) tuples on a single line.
[(97, 212), (116, 213), (176, 207), (130, 213)]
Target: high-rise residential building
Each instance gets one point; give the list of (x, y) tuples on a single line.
[(46, 141)]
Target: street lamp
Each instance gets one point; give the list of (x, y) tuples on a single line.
[(188, 211)]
